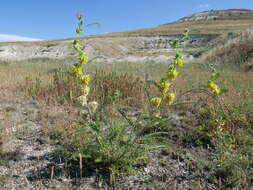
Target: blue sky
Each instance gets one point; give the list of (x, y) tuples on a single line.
[(51, 19)]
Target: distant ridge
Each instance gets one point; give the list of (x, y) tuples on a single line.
[(206, 23), (219, 14), (219, 22)]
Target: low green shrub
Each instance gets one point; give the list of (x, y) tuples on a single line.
[(112, 148), (229, 133)]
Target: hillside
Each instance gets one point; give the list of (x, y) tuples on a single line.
[(207, 22), (147, 44), (232, 50), (230, 14)]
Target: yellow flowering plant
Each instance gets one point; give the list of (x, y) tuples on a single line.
[(165, 83), (102, 134), (78, 68), (211, 83)]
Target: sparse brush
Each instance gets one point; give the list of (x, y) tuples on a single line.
[(105, 85), (61, 88), (234, 53), (65, 88)]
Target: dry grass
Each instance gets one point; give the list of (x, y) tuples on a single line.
[(38, 80), (58, 116), (235, 51), (126, 78), (198, 27)]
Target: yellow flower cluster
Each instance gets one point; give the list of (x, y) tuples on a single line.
[(78, 67), (178, 60), (169, 98), (213, 87), (155, 102), (77, 70), (164, 86), (172, 73), (85, 79), (83, 58)]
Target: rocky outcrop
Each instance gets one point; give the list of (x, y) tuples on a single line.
[(218, 14), (109, 49)]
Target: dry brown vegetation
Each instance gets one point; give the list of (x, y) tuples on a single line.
[(197, 27), (126, 78), (235, 51), (118, 86)]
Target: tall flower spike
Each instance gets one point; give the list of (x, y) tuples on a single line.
[(165, 83), (84, 79)]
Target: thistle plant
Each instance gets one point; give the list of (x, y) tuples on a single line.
[(165, 83)]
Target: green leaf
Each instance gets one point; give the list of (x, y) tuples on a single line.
[(151, 82), (186, 34), (98, 160), (76, 42), (182, 103), (155, 119), (176, 44), (223, 90), (156, 134), (94, 23), (178, 56), (79, 30), (215, 76), (79, 16)]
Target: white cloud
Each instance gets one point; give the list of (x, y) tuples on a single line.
[(10, 37), (204, 5)]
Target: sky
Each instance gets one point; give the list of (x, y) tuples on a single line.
[(28, 20)]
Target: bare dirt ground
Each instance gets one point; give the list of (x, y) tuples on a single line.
[(24, 147), (29, 161)]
